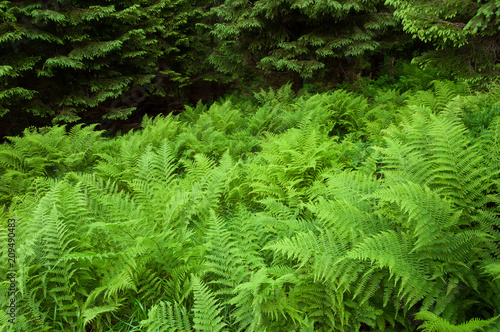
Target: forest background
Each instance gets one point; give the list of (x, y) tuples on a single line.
[(82, 62)]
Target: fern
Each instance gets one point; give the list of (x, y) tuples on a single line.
[(166, 317), (224, 260), (260, 302), (313, 226), (444, 92), (51, 152), (490, 144), (457, 169), (434, 323), (292, 162), (206, 311)]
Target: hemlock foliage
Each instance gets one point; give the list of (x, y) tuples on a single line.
[(60, 58), (465, 34), (307, 38), (326, 212)]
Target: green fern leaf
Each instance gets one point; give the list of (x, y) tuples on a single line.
[(207, 313), (165, 317), (433, 323)]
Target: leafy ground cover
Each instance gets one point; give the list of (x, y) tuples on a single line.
[(337, 211)]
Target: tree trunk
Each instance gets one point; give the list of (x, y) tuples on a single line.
[(391, 71), (298, 82)]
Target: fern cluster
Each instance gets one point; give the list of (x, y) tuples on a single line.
[(325, 212)]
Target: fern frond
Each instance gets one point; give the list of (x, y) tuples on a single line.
[(262, 301), (429, 215), (290, 163), (153, 176), (444, 92), (345, 205), (459, 168), (406, 162), (325, 254), (435, 151), (224, 260), (207, 313), (117, 283), (433, 323), (165, 317), (89, 314), (394, 251), (493, 269), (199, 168), (490, 144)]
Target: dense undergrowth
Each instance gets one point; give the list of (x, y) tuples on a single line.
[(332, 211)]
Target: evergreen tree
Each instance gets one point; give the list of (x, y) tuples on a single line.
[(59, 58), (300, 37), (464, 33)]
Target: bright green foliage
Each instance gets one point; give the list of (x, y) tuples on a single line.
[(206, 312), (59, 58), (470, 27), (434, 323), (46, 153), (286, 225), (432, 21), (165, 317), (303, 37)]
